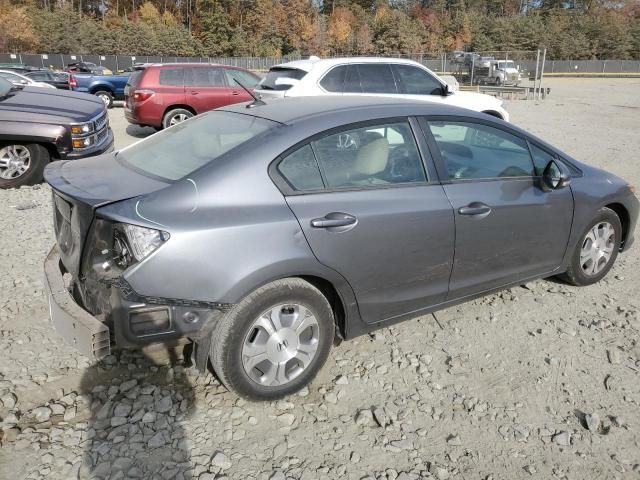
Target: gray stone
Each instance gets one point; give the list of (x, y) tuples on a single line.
[(277, 476), (562, 438), (41, 414), (614, 356), (128, 385), (221, 460), (381, 417), (593, 422), (158, 440), (287, 419), (364, 417), (122, 410), (149, 417), (454, 440), (164, 404)]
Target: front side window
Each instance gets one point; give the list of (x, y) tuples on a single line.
[(415, 81), (180, 150), (375, 155), (352, 80), (376, 78), (173, 77), (245, 78), (473, 151)]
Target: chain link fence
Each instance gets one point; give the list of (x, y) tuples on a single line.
[(438, 62)]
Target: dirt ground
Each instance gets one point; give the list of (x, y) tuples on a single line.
[(540, 381)]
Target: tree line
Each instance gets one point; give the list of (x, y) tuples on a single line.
[(569, 29)]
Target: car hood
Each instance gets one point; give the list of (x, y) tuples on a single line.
[(97, 181), (48, 105)]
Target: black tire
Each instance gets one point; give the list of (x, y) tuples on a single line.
[(498, 81), (171, 115), (575, 275), (106, 97), (39, 158), (230, 333)]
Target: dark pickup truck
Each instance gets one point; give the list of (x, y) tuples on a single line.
[(106, 87), (38, 125)]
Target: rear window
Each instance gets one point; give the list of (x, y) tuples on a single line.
[(280, 78), (134, 78), (180, 150)]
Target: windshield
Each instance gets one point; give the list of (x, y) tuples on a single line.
[(180, 150), (508, 64), (5, 87), (278, 78)]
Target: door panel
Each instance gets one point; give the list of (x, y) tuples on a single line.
[(507, 227), (525, 233), (206, 88), (396, 256)]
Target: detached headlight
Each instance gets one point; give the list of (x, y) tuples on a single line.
[(143, 241), (82, 129)]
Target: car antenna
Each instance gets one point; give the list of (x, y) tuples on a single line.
[(256, 100)]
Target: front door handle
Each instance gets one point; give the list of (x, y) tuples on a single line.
[(194, 93), (235, 93), (475, 208), (334, 220)]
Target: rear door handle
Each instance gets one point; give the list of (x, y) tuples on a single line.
[(235, 93), (334, 220), (194, 93), (475, 208)]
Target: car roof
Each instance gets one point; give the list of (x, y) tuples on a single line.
[(315, 62), (290, 110)]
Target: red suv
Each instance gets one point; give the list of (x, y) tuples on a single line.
[(162, 95)]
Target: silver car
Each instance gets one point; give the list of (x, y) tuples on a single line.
[(262, 232)]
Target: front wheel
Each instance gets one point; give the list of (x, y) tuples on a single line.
[(274, 341), (22, 164), (597, 250)]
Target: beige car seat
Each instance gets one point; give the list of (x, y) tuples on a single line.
[(372, 159)]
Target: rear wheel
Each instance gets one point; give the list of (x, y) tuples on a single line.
[(22, 164), (597, 250), (274, 341), (106, 97), (175, 116)]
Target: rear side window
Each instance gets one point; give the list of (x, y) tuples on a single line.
[(245, 78), (352, 80), (281, 78), (372, 156), (376, 78), (301, 171), (172, 77), (415, 81), (205, 77), (333, 81)]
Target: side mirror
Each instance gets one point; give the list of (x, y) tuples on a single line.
[(446, 90), (555, 176)]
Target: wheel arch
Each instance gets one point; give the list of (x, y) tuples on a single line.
[(102, 88), (625, 220), (176, 107)]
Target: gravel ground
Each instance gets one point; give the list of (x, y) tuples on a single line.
[(540, 381)]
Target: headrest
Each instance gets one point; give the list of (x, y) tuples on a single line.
[(373, 157)]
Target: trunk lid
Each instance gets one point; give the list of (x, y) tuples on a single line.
[(82, 186)]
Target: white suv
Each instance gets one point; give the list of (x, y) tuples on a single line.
[(370, 76)]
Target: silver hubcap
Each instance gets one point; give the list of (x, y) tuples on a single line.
[(280, 344), (14, 161), (179, 118), (597, 248), (105, 98)]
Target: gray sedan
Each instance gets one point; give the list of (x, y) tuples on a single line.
[(262, 232)]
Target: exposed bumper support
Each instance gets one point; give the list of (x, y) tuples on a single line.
[(78, 328)]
